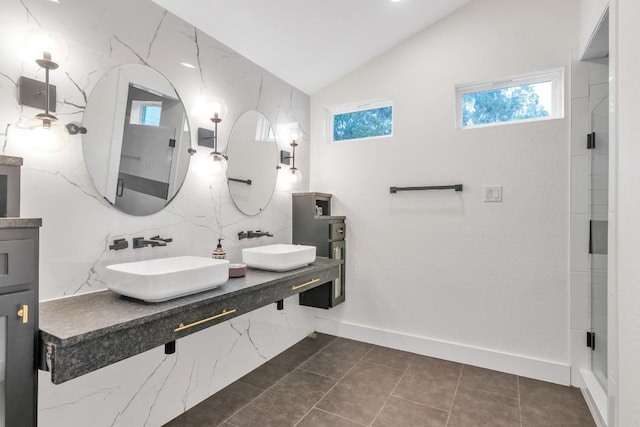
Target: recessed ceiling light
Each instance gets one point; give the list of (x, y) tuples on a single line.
[(395, 1), (186, 64)]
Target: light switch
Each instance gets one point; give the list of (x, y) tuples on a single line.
[(492, 193)]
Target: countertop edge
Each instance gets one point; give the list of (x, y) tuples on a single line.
[(20, 223)]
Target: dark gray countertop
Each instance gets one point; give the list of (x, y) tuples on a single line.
[(86, 332), (20, 222), (66, 321), (10, 161)]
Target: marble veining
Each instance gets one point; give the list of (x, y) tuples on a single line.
[(78, 225)]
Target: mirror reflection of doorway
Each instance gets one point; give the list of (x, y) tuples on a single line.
[(152, 124)]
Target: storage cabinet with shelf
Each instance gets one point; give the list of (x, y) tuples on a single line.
[(314, 224)]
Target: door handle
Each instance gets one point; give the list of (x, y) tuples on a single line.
[(120, 187), (24, 313)]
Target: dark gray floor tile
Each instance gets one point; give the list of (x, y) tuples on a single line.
[(472, 407), (391, 358), (336, 359), (552, 404), (540, 393), (275, 369), (430, 381), (545, 417), (217, 408), (362, 393), (286, 402), (317, 418), (400, 412), (491, 381)]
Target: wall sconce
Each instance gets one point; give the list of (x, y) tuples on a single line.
[(48, 133), (209, 138), (290, 159)]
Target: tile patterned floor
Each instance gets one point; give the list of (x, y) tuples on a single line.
[(324, 381)]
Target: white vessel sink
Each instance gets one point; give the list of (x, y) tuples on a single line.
[(166, 278), (280, 257)]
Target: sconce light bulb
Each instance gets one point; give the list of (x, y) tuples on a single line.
[(49, 136), (40, 40), (219, 163), (294, 175)]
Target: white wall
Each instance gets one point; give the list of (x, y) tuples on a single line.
[(78, 225), (441, 272), (625, 210), (591, 12)]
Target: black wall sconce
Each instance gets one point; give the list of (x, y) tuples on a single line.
[(290, 159), (209, 138), (49, 134)]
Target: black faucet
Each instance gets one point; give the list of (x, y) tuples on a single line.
[(119, 244), (258, 233), (140, 242), (251, 234)]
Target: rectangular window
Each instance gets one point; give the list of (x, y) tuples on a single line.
[(146, 113), (529, 97), (361, 121)]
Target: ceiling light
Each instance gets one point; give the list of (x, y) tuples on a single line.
[(186, 64)]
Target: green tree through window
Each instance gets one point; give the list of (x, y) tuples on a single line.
[(503, 105), (363, 124)]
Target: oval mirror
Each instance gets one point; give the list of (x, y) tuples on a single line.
[(137, 140), (252, 164)]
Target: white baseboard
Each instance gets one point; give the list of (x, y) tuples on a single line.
[(485, 358), (596, 398)]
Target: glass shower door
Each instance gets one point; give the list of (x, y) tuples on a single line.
[(599, 207)]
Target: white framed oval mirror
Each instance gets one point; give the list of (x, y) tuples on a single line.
[(137, 140), (252, 169)]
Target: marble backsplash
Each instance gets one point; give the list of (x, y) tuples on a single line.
[(78, 224)]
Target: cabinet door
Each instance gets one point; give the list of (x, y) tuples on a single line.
[(338, 250), (17, 359)]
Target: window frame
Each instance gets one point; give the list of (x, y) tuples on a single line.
[(355, 107), (555, 75)]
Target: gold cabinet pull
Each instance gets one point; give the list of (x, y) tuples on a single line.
[(182, 326), (24, 313), (310, 282)]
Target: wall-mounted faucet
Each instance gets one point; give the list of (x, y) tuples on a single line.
[(251, 234), (140, 242), (119, 244), (258, 233)]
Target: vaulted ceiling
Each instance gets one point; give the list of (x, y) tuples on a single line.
[(311, 43)]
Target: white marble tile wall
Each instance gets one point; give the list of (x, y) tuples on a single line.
[(78, 225)]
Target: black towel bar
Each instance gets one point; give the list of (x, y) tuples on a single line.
[(245, 181), (456, 187)]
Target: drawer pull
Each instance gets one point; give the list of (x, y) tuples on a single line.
[(24, 313), (182, 326), (310, 282)]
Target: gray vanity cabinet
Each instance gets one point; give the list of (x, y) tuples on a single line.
[(18, 322), (314, 225)]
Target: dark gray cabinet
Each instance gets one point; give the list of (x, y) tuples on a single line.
[(313, 224), (18, 322)]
